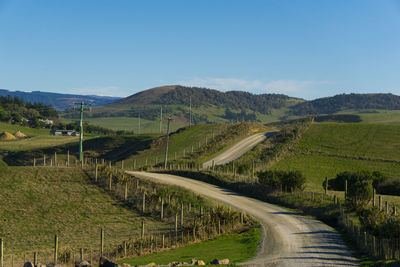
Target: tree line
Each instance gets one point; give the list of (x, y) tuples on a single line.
[(15, 110)]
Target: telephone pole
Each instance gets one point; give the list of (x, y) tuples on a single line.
[(166, 145), (81, 135), (161, 120), (139, 124), (190, 111)]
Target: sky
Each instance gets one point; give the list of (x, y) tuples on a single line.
[(307, 49)]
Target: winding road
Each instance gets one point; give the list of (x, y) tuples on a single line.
[(288, 239), (237, 150)]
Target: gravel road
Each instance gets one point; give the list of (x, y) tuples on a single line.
[(288, 239), (237, 150)]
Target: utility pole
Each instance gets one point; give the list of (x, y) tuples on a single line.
[(81, 135), (190, 111), (161, 120), (166, 145), (139, 124)]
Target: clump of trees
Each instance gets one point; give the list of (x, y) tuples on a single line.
[(330, 105), (277, 179), (15, 110), (383, 184)]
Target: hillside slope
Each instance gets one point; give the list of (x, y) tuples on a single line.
[(326, 149), (208, 106), (42, 202), (57, 100)]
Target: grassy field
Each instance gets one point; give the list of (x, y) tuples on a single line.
[(235, 247), (12, 128), (131, 124), (329, 148), (37, 138), (182, 142), (377, 141), (42, 202)]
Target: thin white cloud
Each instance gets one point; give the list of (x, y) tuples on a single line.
[(100, 91), (299, 88)]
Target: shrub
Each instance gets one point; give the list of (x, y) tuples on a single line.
[(389, 187), (359, 189), (282, 179), (371, 218), (391, 227), (338, 182)]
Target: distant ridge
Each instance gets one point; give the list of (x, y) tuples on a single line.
[(331, 105), (57, 100), (180, 95)]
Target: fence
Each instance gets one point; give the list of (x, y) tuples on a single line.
[(188, 221)]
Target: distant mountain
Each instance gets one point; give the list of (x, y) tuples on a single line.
[(181, 95), (59, 101), (212, 106), (331, 105)]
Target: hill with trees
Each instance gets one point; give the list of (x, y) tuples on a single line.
[(57, 100), (330, 105), (208, 106), (15, 110)]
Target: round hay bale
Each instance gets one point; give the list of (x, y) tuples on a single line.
[(19, 134), (4, 136)]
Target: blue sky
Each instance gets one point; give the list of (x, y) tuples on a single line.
[(306, 49)]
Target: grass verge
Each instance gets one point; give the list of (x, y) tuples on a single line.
[(236, 247)]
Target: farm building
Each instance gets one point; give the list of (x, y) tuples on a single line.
[(64, 132)]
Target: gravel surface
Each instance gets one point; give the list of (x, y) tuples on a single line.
[(288, 239), (237, 150)]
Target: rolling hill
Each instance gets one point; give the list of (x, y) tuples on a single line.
[(212, 106), (57, 100), (326, 149)]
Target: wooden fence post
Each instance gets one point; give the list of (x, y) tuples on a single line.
[(163, 240), (124, 248), (96, 173), (142, 232), (126, 191), (101, 242), (68, 158), (34, 162), (380, 202), (81, 255), (162, 209), (55, 159), (326, 185), (144, 202), (34, 258), (252, 170), (1, 253), (110, 182), (182, 215), (176, 223), (44, 160), (55, 249), (373, 197)]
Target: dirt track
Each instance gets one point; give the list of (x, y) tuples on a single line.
[(237, 150), (288, 239)]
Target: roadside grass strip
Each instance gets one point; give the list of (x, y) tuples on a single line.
[(235, 247)]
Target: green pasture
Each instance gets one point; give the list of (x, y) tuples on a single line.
[(316, 167), (132, 124), (44, 201), (375, 141), (36, 138), (326, 149), (235, 247)]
